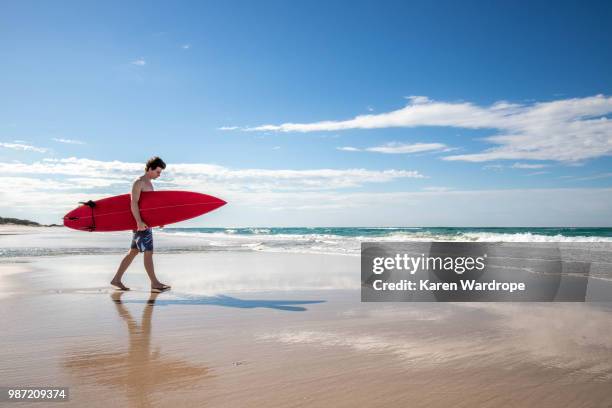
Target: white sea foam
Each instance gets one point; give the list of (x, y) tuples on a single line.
[(529, 237)]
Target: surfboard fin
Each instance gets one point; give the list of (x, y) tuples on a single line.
[(90, 204)]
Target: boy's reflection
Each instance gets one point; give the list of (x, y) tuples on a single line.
[(140, 371)]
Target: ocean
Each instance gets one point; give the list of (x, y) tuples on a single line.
[(323, 240), (347, 240)]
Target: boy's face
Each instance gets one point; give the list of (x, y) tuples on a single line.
[(154, 173)]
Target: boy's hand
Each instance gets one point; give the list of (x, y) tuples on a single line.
[(142, 226)]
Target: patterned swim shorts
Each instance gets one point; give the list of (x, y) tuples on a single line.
[(143, 240)]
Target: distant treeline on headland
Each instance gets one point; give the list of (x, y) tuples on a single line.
[(17, 221)]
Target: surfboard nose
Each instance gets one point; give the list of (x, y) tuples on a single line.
[(217, 203), (213, 201)]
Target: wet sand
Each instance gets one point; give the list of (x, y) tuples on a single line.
[(259, 329)]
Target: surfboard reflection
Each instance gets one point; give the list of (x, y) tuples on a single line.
[(141, 370)]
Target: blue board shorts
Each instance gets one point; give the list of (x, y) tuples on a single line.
[(143, 240)]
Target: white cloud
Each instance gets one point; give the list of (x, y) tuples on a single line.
[(418, 100), (591, 177), (228, 128), (436, 189), (399, 148), (31, 184), (567, 130), (284, 180), (186, 46), (201, 175), (35, 184), (140, 62), (74, 167), (93, 182), (68, 141), (528, 166), (496, 167), (402, 148), (531, 166), (24, 147)]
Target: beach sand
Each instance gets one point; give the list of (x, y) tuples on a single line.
[(266, 329)]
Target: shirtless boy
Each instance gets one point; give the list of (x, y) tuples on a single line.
[(142, 240)]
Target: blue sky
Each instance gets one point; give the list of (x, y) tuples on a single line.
[(290, 101)]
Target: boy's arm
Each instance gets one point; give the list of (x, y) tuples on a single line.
[(136, 189)]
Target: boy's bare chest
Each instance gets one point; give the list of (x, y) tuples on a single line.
[(147, 186)]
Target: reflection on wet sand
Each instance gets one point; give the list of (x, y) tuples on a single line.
[(229, 301), (140, 371)]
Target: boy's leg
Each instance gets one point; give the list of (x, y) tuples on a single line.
[(125, 263), (144, 242), (148, 263)]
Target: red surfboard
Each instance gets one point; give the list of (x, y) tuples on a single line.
[(156, 208)]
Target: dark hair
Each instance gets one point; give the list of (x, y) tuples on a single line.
[(155, 162)]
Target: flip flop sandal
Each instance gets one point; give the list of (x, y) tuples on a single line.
[(160, 290)]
